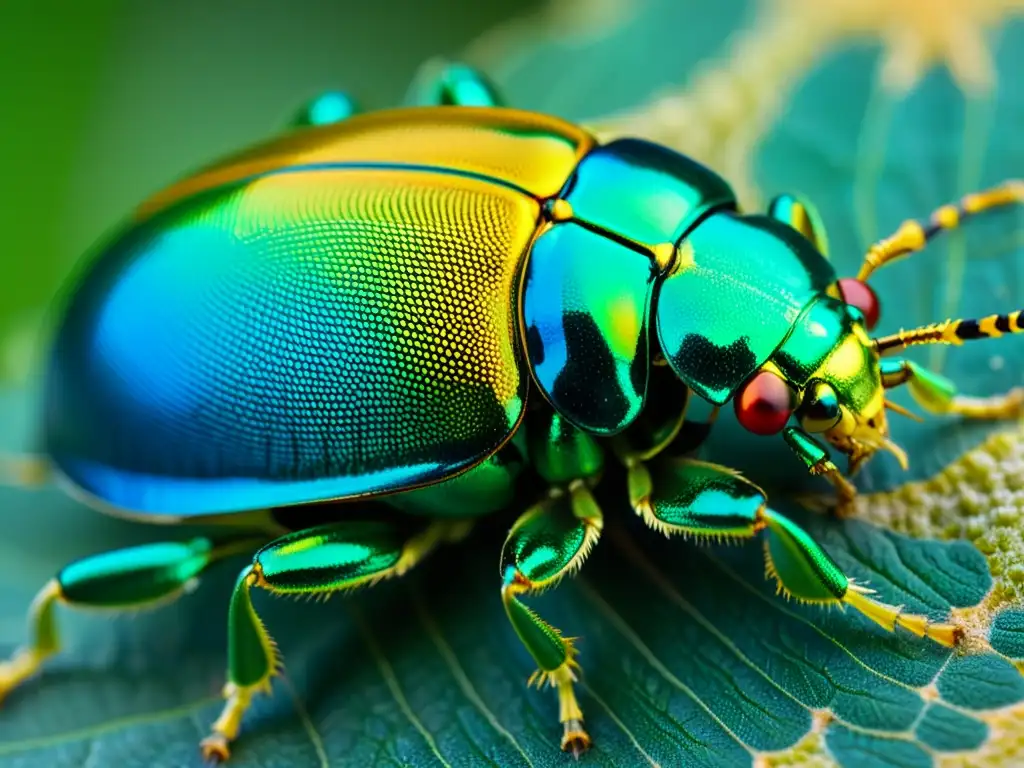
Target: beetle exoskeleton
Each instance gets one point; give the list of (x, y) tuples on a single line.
[(410, 306)]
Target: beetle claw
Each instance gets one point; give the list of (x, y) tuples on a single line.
[(215, 749), (575, 738)]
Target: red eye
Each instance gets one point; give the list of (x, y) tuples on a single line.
[(764, 404), (859, 295)]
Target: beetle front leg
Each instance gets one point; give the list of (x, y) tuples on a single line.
[(549, 541), (938, 395), (815, 457), (322, 560), (712, 501), (136, 577)]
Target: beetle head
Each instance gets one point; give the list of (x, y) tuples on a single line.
[(853, 371), (826, 375), (846, 403)]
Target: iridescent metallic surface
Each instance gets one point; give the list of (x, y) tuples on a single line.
[(336, 555), (802, 216), (804, 568), (559, 451), (136, 575), (805, 446), (327, 108), (488, 487), (361, 307), (815, 334), (829, 343), (662, 418), (543, 544), (586, 303), (297, 326), (704, 499), (820, 409), (529, 152), (644, 192), (738, 285)]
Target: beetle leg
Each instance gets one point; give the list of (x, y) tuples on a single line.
[(815, 457), (672, 496), (316, 561), (327, 108), (683, 496), (549, 541), (441, 83), (694, 433), (937, 394), (802, 216), (143, 576)]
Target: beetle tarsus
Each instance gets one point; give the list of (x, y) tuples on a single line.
[(574, 738), (215, 749)]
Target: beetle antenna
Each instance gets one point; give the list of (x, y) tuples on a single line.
[(913, 236), (953, 332), (897, 408)]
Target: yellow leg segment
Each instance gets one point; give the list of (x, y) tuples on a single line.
[(145, 576), (1009, 405), (27, 661), (913, 236), (892, 616), (549, 541), (315, 562), (846, 492)]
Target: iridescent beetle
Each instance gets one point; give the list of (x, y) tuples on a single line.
[(413, 305)]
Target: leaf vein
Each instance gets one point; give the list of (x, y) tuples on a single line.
[(388, 673), (626, 631), (461, 679)]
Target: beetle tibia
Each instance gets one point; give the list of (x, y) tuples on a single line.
[(550, 540)]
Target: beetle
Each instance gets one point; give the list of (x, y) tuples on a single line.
[(406, 309)]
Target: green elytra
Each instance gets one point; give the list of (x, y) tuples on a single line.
[(626, 319)]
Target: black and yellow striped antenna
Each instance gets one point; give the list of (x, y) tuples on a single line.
[(913, 236), (953, 332)]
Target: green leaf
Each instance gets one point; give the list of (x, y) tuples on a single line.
[(689, 657)]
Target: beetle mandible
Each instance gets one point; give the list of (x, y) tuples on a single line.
[(404, 309)]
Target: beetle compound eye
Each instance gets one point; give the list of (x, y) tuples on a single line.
[(820, 408), (765, 403), (860, 295)]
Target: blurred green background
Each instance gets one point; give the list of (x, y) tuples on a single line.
[(104, 101)]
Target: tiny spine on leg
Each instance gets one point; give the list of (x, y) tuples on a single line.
[(804, 571), (672, 496), (548, 542), (317, 561)]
